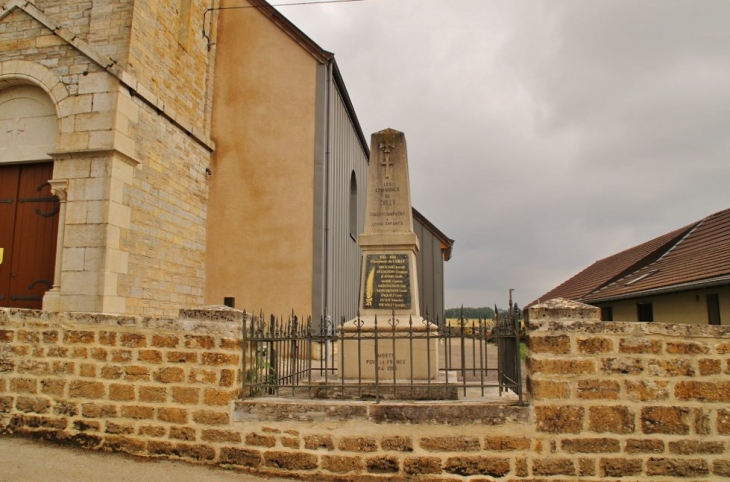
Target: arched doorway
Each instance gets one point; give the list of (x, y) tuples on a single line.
[(28, 210)]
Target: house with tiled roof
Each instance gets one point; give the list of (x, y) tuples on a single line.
[(680, 277)]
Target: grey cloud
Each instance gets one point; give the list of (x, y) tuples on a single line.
[(542, 136)]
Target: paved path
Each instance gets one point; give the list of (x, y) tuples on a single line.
[(23, 460)]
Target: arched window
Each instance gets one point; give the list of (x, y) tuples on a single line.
[(353, 206)]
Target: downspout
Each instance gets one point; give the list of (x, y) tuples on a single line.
[(327, 159), (210, 67)]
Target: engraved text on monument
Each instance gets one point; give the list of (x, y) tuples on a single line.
[(387, 282)]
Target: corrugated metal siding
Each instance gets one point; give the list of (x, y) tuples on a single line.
[(343, 259), (430, 266), (337, 255)]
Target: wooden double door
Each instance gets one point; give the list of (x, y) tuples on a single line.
[(28, 230)]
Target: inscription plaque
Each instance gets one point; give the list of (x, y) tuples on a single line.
[(387, 282), (387, 362)]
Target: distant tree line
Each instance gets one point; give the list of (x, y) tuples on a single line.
[(484, 312)]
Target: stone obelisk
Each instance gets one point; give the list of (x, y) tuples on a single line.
[(389, 299)]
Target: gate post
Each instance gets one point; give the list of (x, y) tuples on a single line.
[(539, 320), (515, 318)]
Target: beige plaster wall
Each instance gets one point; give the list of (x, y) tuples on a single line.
[(261, 201), (688, 307)]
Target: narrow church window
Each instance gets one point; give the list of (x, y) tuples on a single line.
[(353, 207), (183, 25)]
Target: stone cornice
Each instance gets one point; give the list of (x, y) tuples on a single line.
[(110, 65), (79, 154)]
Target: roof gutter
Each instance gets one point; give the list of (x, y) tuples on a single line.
[(708, 283)]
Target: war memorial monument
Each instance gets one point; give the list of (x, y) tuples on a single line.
[(389, 340)]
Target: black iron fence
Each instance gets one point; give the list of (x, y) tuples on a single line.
[(384, 357)]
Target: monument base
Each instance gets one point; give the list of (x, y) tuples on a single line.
[(406, 350)]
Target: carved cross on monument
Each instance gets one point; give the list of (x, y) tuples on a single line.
[(387, 148)]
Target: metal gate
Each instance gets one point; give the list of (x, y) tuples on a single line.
[(507, 332)]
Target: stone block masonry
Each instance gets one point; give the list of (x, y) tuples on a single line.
[(632, 400), (132, 89), (609, 401), (121, 382)]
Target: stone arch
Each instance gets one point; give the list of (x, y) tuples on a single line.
[(15, 74), (23, 72), (28, 124)]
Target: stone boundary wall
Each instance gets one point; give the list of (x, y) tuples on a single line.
[(610, 401), (120, 382), (643, 401)]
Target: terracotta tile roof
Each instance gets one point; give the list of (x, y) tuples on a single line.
[(702, 256), (694, 253)]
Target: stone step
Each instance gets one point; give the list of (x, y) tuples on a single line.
[(443, 413)]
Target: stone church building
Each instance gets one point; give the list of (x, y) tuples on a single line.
[(156, 155)]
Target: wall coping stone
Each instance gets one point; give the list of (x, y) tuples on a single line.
[(562, 315), (213, 320), (561, 309), (212, 312), (433, 413)]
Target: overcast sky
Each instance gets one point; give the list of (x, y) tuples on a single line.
[(542, 136)]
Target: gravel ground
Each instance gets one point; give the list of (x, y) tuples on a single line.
[(23, 460)]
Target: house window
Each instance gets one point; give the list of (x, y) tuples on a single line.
[(645, 312), (353, 207), (713, 309), (606, 313)]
